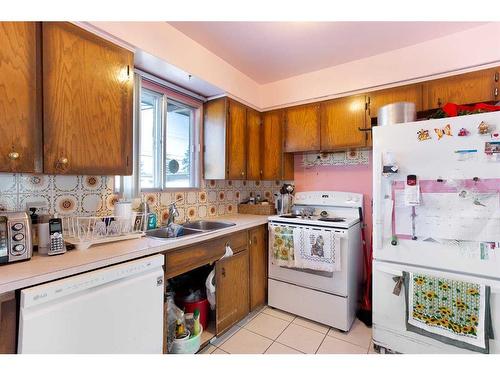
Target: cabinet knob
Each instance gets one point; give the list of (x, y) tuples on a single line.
[(242, 173), (62, 163), (223, 272), (13, 155)]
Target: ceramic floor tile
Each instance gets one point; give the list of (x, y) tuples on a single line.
[(219, 351), (277, 348), (332, 345), (267, 325), (278, 313), (225, 336), (359, 334), (301, 338), (321, 328), (248, 318), (208, 349), (370, 349), (246, 342)]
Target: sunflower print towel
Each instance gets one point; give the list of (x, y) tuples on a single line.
[(281, 245), (452, 311)]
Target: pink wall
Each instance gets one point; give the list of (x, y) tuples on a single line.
[(355, 178)]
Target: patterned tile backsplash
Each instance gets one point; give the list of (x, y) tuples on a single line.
[(94, 195)]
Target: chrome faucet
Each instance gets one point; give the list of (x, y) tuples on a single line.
[(172, 212)]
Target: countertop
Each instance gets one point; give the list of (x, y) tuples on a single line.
[(44, 268)]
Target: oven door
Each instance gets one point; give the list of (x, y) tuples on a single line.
[(334, 283)]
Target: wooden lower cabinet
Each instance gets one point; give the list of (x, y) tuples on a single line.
[(8, 323), (232, 290), (258, 266)]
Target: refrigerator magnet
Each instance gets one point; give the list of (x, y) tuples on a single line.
[(483, 128), (463, 132), (444, 131), (423, 135), (463, 155)]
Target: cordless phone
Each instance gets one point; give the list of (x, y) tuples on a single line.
[(57, 245)]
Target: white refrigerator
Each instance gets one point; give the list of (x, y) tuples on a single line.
[(447, 226)]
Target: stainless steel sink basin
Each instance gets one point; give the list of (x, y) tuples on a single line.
[(206, 225), (162, 233)]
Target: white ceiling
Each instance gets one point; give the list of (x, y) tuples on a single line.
[(271, 51)]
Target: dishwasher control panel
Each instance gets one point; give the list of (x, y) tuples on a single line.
[(57, 289)]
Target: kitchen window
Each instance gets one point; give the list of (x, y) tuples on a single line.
[(167, 140)]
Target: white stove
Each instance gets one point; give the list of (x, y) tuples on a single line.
[(328, 298), (334, 209)]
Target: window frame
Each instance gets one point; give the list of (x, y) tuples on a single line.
[(130, 186), (170, 95)]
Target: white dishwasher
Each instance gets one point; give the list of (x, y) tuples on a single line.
[(118, 309)]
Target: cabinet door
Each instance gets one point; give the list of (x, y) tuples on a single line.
[(232, 293), (254, 123), (340, 121), (236, 141), (20, 98), (272, 147), (258, 266), (214, 139), (302, 128), (468, 88), (87, 91), (8, 325)]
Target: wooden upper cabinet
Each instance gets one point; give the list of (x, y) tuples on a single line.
[(254, 124), (236, 140), (272, 145), (225, 139), (232, 280), (341, 120), (87, 91), (20, 98), (302, 128), (408, 93), (258, 266), (468, 88)]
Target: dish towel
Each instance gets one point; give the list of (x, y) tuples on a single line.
[(317, 249), (451, 311), (281, 244)]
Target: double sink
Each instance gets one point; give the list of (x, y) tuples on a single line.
[(190, 228)]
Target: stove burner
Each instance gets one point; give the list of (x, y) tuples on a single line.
[(332, 219), (289, 216)]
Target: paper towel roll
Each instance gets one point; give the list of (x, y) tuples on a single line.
[(123, 209)]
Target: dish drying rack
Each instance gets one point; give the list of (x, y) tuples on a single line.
[(85, 231)]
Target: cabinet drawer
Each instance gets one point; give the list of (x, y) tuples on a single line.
[(185, 259), (237, 241)]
